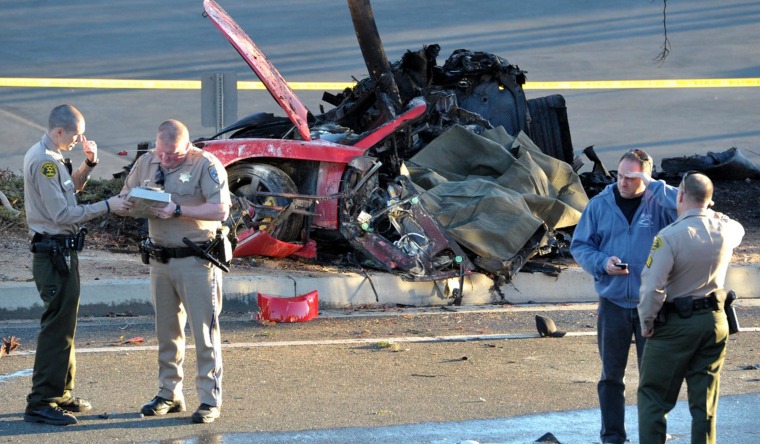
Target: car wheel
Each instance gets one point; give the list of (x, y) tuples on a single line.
[(249, 180)]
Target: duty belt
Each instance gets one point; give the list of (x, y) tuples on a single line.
[(179, 253), (706, 303), (42, 243), (163, 254), (58, 247)]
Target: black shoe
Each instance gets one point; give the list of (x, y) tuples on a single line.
[(50, 415), (161, 406), (76, 405), (205, 414)]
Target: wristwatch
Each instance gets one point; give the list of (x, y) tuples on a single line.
[(178, 211), (90, 163)]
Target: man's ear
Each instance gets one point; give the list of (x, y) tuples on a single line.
[(56, 134)]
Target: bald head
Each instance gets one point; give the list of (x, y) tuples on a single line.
[(697, 190)]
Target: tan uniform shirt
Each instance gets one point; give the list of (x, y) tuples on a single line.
[(689, 257), (201, 178), (50, 192)]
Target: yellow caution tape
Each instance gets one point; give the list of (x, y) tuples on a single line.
[(647, 84), (151, 84), (31, 82), (99, 83)]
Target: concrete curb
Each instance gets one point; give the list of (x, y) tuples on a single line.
[(341, 290)]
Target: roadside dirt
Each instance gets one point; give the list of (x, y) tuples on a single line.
[(111, 256)]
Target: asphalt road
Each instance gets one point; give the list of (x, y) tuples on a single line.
[(553, 41), (399, 375)]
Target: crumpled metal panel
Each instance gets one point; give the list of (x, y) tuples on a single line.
[(398, 234), (268, 74)]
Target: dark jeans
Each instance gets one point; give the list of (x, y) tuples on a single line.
[(615, 328)]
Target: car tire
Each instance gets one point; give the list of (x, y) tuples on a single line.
[(549, 127), (249, 179)]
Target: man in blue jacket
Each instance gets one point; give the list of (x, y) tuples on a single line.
[(611, 242)]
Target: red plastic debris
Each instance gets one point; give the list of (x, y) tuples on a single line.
[(260, 243), (137, 340), (296, 309)]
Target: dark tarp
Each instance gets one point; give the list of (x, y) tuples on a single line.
[(728, 165), (496, 194)]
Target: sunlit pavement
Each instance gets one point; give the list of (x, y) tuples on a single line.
[(736, 425)]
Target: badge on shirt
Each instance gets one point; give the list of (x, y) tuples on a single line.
[(185, 177), (657, 243), (213, 173), (49, 169)]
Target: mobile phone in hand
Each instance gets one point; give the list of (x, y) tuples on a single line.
[(622, 265)]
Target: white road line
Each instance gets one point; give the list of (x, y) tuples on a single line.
[(27, 122), (19, 374), (412, 339)]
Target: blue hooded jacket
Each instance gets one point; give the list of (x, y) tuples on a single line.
[(604, 231)]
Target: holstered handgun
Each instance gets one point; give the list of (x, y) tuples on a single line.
[(733, 320), (144, 254), (148, 250), (55, 252)]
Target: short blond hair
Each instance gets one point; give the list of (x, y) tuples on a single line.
[(173, 132)]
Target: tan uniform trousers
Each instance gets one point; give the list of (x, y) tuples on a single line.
[(180, 288)]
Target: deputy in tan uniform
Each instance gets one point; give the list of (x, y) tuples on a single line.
[(183, 284), (53, 215), (684, 279)]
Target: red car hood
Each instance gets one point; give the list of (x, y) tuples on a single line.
[(267, 73)]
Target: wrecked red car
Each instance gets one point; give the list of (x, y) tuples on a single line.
[(306, 182)]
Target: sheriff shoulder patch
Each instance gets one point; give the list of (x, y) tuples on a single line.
[(49, 169), (649, 262), (657, 243), (213, 173)]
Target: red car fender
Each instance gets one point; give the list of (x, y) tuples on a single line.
[(282, 309)]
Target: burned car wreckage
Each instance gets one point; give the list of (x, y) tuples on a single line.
[(428, 171)]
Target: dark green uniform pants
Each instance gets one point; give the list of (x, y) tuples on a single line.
[(54, 361), (691, 349)]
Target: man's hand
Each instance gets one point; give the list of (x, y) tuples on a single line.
[(90, 149), (645, 178), (612, 269), (647, 333), (166, 212), (119, 205)]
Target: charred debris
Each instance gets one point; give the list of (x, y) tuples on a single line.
[(473, 90)]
